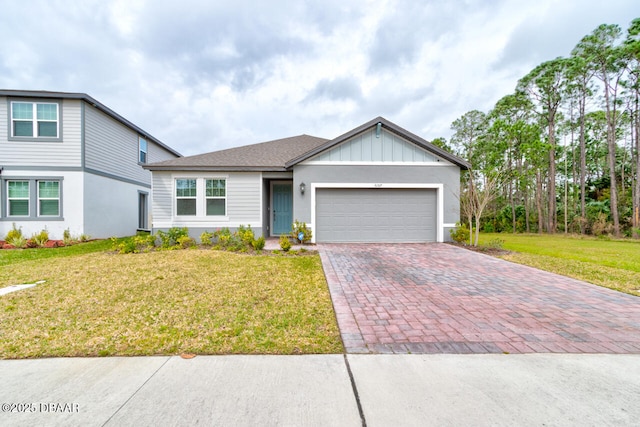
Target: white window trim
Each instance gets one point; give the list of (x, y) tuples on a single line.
[(201, 217), (38, 198), (215, 197), (176, 197), (9, 199), (439, 197), (34, 120)]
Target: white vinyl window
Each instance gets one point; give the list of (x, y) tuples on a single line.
[(34, 120), (216, 196), (186, 194), (18, 198), (48, 198), (142, 149)]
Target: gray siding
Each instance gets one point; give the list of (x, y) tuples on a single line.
[(243, 197), (111, 147), (161, 199), (366, 147), (243, 200), (156, 153), (449, 176), (64, 153)]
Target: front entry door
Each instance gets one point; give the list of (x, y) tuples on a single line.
[(282, 209)]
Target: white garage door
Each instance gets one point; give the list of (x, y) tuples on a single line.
[(375, 215)]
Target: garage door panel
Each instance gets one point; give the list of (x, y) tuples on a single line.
[(375, 215)]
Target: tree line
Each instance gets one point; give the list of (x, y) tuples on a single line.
[(561, 153)]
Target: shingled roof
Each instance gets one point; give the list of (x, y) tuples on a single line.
[(265, 156), (282, 154)]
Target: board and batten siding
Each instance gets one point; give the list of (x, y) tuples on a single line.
[(29, 153), (243, 201), (111, 147), (367, 147)]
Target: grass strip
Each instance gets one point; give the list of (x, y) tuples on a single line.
[(611, 263)]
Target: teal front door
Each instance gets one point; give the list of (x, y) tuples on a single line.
[(282, 209)]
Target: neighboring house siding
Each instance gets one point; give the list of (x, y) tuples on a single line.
[(448, 175), (111, 206), (111, 147), (4, 120), (58, 154), (71, 204), (243, 195), (158, 153)]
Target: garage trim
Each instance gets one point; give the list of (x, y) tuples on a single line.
[(439, 197)]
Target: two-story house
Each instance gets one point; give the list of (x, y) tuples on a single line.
[(69, 162)]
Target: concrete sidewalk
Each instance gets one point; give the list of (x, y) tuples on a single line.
[(323, 390)]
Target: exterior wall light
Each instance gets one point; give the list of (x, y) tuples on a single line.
[(302, 187)]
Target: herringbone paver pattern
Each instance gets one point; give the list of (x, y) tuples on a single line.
[(437, 298)]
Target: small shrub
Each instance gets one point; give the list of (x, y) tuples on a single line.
[(126, 246), (136, 244), (18, 242), (66, 237), (205, 238), (285, 243), (301, 232), (84, 237), (233, 241), (601, 226), (460, 234), (186, 242), (258, 244), (41, 238), (169, 239), (496, 244), (246, 235), (13, 233)]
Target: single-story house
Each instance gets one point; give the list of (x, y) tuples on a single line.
[(375, 183)]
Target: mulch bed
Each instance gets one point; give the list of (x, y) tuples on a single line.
[(483, 249), (49, 244)]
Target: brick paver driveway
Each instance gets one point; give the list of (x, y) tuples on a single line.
[(437, 298)]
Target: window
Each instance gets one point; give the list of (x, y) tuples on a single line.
[(216, 196), (18, 198), (186, 196), (34, 120), (142, 157), (48, 198)]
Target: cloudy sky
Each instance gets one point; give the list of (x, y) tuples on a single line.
[(211, 74)]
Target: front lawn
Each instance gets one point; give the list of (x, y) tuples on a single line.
[(165, 302), (613, 264)]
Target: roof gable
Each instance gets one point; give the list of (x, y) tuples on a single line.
[(373, 146), (391, 130)]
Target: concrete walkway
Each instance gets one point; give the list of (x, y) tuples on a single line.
[(318, 390), (438, 298)]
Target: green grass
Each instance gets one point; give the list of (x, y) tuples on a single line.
[(166, 302), (610, 263), (14, 256)]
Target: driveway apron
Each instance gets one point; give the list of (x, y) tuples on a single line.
[(438, 298)]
